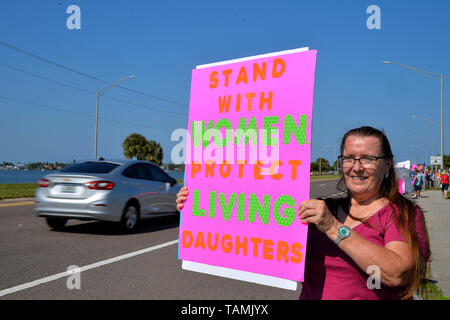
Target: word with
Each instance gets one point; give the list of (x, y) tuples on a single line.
[(373, 21), (254, 206), (227, 245), (278, 68), (74, 20), (225, 169), (374, 281), (74, 280), (224, 103), (198, 310), (249, 309)]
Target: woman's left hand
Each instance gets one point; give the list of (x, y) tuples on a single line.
[(316, 211)]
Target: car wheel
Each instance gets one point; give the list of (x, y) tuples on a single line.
[(130, 218), (56, 223)]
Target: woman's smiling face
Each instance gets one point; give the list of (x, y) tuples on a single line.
[(365, 182)]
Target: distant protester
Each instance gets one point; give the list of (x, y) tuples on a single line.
[(428, 179), (444, 184), (417, 183)]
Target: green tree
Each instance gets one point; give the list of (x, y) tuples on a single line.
[(446, 161), (322, 165), (155, 152), (336, 166), (137, 146), (314, 167)]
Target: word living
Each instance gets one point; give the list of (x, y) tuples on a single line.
[(248, 309)]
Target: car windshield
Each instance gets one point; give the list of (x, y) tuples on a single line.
[(90, 167)]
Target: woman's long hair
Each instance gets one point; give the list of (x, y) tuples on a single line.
[(404, 209)]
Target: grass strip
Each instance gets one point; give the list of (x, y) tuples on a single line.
[(325, 177), (432, 292), (17, 190)]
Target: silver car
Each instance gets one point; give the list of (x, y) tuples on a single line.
[(123, 191)]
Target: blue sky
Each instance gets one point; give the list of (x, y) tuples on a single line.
[(160, 42)]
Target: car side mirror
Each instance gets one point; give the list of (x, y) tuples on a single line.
[(173, 182)]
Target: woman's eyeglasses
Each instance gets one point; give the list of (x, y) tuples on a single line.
[(366, 161)]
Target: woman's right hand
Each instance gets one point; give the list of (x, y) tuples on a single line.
[(181, 197)]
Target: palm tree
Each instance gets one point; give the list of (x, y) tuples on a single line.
[(136, 145), (155, 153)]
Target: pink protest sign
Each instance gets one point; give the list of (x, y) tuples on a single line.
[(248, 165)]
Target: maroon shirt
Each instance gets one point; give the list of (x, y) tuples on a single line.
[(330, 274)]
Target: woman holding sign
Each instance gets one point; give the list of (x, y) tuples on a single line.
[(373, 244)]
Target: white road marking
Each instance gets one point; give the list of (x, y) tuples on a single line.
[(85, 268), (337, 195)]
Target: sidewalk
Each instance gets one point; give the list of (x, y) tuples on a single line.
[(437, 217), (17, 200)]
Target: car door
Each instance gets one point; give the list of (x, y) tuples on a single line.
[(140, 188), (166, 189)]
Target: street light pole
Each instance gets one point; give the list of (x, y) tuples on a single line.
[(96, 126), (99, 93), (335, 159), (442, 122), (441, 77)]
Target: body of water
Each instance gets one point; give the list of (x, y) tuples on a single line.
[(22, 176), (33, 176)]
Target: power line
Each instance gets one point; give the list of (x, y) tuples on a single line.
[(88, 91), (144, 106), (79, 113), (6, 45), (45, 78)]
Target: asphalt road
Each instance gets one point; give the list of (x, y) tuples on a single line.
[(30, 251)]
